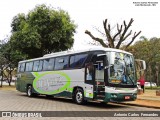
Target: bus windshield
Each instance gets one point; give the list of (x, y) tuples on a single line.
[(122, 70)]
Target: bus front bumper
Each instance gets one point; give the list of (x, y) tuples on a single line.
[(120, 97)]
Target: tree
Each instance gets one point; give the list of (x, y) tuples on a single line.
[(43, 30), (2, 62), (116, 40), (5, 61), (148, 50), (9, 55)]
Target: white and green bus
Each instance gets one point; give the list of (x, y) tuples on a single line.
[(97, 74)]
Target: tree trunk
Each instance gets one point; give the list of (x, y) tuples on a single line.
[(10, 77), (150, 75), (1, 77), (157, 74)]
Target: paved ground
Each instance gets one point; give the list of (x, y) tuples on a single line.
[(148, 99), (12, 100), (149, 95)]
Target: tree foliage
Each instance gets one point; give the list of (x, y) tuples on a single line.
[(43, 30), (118, 38), (148, 50), (4, 50), (8, 61)]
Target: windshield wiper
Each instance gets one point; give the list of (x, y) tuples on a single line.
[(126, 70), (131, 79), (126, 73)]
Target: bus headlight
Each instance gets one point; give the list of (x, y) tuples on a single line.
[(113, 95), (135, 95)]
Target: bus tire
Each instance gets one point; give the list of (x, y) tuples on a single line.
[(29, 91), (79, 96), (103, 103), (49, 96)]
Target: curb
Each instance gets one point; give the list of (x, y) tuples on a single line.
[(147, 99)]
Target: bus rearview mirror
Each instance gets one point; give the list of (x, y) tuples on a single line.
[(140, 64)]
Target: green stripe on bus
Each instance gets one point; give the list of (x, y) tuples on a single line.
[(36, 74), (70, 89), (90, 94)]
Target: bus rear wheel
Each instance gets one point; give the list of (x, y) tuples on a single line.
[(79, 96), (49, 96), (29, 91)]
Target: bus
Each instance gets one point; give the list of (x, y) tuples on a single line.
[(96, 74)]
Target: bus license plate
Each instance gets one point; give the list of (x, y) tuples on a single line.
[(127, 97)]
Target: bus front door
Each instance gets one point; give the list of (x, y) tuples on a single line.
[(94, 78), (99, 83), (89, 80)]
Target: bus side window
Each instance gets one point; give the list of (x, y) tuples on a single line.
[(77, 61), (40, 65), (29, 66), (89, 71), (61, 63), (45, 64), (19, 67), (35, 66), (22, 67), (72, 62), (51, 64), (80, 59)]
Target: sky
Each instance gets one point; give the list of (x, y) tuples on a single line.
[(89, 14)]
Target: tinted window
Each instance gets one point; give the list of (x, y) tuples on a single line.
[(19, 66), (45, 64), (77, 60), (61, 63), (22, 66), (35, 66), (29, 66), (40, 65), (48, 64), (51, 64)]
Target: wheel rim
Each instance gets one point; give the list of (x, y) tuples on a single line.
[(29, 91), (79, 97)]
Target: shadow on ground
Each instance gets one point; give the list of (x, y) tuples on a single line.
[(70, 101)]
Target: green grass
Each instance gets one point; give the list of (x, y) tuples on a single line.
[(155, 88), (7, 87)]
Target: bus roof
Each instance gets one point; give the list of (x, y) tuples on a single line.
[(56, 54)]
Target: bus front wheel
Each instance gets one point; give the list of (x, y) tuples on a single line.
[(79, 96), (29, 91)]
